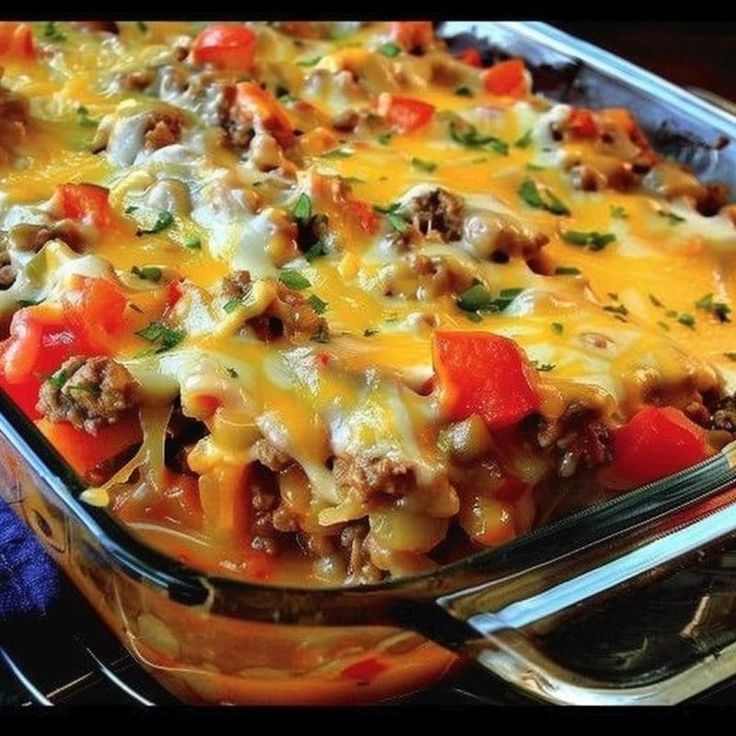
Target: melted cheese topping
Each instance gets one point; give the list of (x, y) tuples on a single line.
[(607, 323)]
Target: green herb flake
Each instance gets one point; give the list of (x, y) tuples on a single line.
[(141, 26), (384, 138), (370, 331), (84, 119), (309, 62), (474, 316), (294, 280), (303, 207), (130, 209), (593, 240), (337, 153), (464, 91), (567, 271), (28, 302), (315, 251), (166, 337), (58, 379), (653, 299), (163, 221), (193, 242), (671, 217), (319, 306), (86, 388), (232, 373), (149, 273), (525, 140), (558, 328), (529, 192), (389, 49), (618, 212), (686, 319), (52, 33), (664, 326), (422, 165), (613, 295), (720, 310), (397, 222), (534, 167), (543, 367), (617, 309), (231, 305), (478, 298), (471, 138)]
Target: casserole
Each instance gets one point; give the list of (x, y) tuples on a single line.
[(183, 646)]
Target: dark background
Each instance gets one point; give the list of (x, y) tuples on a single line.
[(690, 53)]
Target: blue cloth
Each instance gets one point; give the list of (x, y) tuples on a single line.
[(29, 580)]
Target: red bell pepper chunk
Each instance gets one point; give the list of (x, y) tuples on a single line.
[(582, 124), (87, 203), (485, 374), (364, 215), (41, 339), (84, 451), (405, 114), (412, 34), (225, 45), (657, 442), (258, 103), (16, 39), (506, 79), (365, 670), (471, 57)]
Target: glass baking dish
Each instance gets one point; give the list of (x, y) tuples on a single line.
[(537, 612)]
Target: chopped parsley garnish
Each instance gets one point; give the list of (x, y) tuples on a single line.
[(303, 207), (730, 356), (464, 91), (534, 167), (52, 33), (370, 331), (384, 138), (164, 220), (318, 305), (525, 140), (653, 299), (617, 309), (543, 367), (286, 98), (389, 49), (664, 326), (231, 305), (58, 379), (315, 251), (530, 193), (166, 337), (294, 280), (567, 271), (86, 388), (720, 310), (337, 153), (193, 242), (618, 212), (130, 209), (592, 240), (28, 302), (142, 27), (686, 319), (478, 299), (309, 62), (471, 138), (613, 295), (397, 222), (671, 217), (84, 119), (232, 373), (422, 165), (149, 273), (558, 328)]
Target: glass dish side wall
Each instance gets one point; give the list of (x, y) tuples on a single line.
[(206, 658)]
